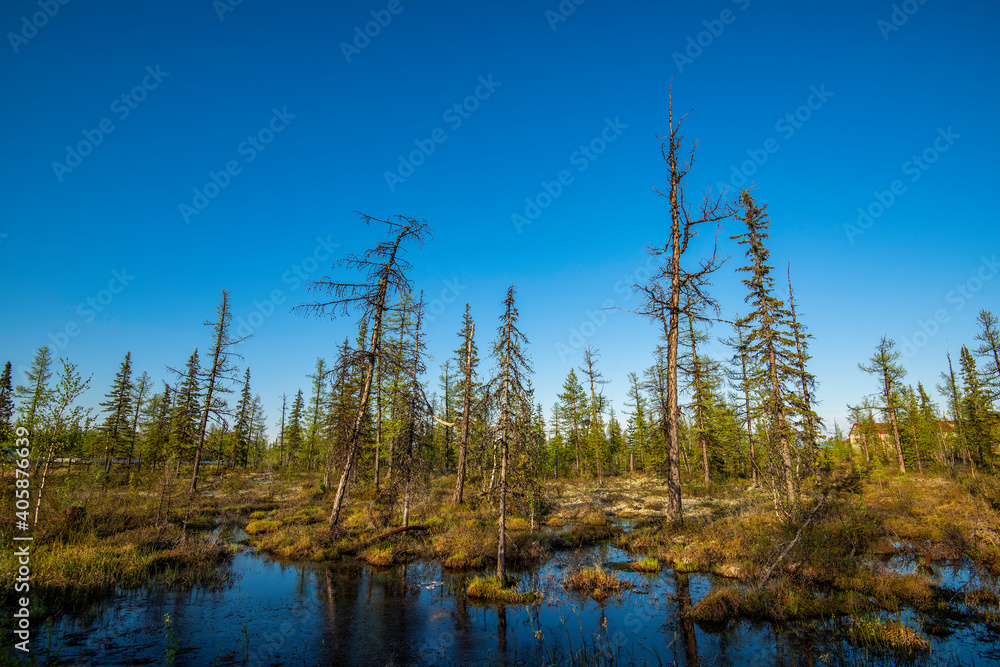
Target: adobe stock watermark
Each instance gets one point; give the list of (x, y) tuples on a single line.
[(454, 116), (914, 168), (581, 159), (449, 294), (901, 13), (272, 645), (31, 25), (594, 320), (249, 149), (381, 19), (294, 277), (563, 11), (786, 126), (958, 297), (223, 7), (122, 107), (696, 44), (89, 308)]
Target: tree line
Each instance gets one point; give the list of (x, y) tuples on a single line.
[(365, 418)]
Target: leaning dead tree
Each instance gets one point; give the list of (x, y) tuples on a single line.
[(383, 272), (674, 291), (220, 374)]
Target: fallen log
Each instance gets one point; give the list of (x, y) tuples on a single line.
[(770, 570), (362, 545)]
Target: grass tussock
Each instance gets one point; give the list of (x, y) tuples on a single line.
[(596, 582), (886, 637), (466, 537), (491, 589), (259, 526), (890, 591), (302, 543), (463, 544), (645, 565)]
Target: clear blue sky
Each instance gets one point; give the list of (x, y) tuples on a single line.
[(116, 112)]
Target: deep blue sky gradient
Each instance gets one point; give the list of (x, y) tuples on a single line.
[(887, 96)]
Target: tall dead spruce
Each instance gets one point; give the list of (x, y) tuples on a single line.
[(383, 272), (674, 291)]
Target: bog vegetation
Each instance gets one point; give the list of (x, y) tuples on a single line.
[(724, 461)]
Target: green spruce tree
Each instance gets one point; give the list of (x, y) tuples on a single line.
[(509, 386), (36, 395), (989, 352), (118, 406), (885, 367), (468, 359), (6, 405), (571, 415), (242, 429), (976, 415), (770, 351), (638, 430), (294, 439), (185, 409)]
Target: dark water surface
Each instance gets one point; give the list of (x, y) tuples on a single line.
[(350, 613)]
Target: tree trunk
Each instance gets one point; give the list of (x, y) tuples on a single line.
[(378, 424), (464, 446), (895, 426), (217, 353), (780, 425), (355, 437), (502, 523), (45, 471), (352, 447), (673, 414)]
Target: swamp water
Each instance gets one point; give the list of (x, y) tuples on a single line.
[(350, 613)]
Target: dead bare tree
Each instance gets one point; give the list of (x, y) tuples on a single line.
[(674, 291), (384, 275)]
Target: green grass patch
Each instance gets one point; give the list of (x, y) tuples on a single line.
[(491, 589), (200, 523), (262, 526), (645, 565)]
